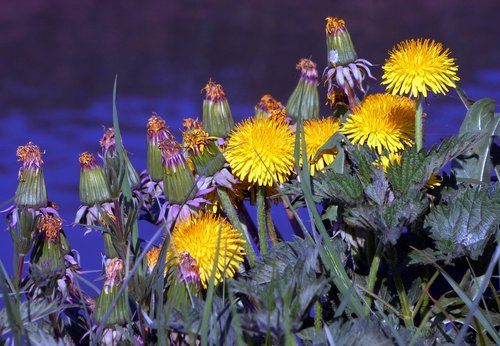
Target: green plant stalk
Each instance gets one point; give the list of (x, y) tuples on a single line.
[(418, 123), (270, 224), (207, 308), (261, 219), (372, 276), (328, 255), (318, 311), (400, 288), (424, 298), (233, 217)]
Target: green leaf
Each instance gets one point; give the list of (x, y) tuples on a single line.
[(410, 174), (464, 226), (448, 149), (345, 188), (362, 332), (476, 163)]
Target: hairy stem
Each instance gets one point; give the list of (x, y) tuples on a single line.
[(372, 277), (261, 219)]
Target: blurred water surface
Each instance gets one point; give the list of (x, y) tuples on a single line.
[(58, 60)]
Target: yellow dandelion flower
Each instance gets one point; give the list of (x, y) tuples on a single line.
[(196, 238), (317, 132), (433, 182), (383, 122), (261, 151), (385, 160), (416, 66)]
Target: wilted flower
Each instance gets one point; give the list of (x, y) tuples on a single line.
[(261, 151), (203, 152), (383, 122), (178, 183), (157, 131), (93, 186), (31, 190), (268, 106), (48, 252), (345, 70), (112, 165), (304, 101), (217, 118), (416, 66), (120, 313)]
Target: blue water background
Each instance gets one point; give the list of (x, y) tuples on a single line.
[(58, 60)]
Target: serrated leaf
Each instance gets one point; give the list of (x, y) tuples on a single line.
[(410, 173), (465, 225), (283, 255), (476, 163), (448, 149), (345, 188), (362, 332)]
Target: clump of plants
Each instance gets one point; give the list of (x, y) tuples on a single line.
[(396, 248)]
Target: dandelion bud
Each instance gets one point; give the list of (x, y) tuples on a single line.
[(304, 101), (156, 132), (179, 181), (120, 313), (26, 222), (203, 152), (93, 186), (112, 164), (48, 252), (217, 118), (345, 71), (338, 42), (31, 190)]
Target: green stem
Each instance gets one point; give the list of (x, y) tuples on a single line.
[(261, 219), (233, 217), (270, 224), (403, 298), (418, 123), (423, 300), (20, 265), (318, 311), (372, 277)]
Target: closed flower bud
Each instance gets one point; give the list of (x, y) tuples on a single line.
[(112, 164), (304, 101), (31, 190), (93, 186), (156, 132), (120, 313), (203, 152), (48, 252), (217, 118), (179, 180)]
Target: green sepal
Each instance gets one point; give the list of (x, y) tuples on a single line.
[(304, 102), (112, 170), (120, 313), (217, 118), (31, 191), (342, 44), (26, 223), (93, 187), (154, 162), (209, 162), (49, 254), (178, 184)]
